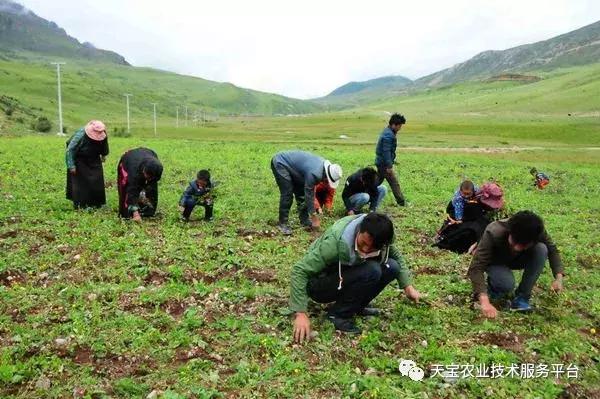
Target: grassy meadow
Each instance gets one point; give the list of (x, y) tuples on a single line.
[(93, 306)]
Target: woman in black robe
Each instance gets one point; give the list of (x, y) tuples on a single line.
[(138, 173), (86, 151), (458, 237), (477, 214)]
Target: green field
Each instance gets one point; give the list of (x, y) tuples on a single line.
[(92, 306), (198, 310)]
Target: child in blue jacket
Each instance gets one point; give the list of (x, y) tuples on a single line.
[(198, 192)]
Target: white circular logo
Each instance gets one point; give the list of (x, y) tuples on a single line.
[(405, 366), (416, 373)]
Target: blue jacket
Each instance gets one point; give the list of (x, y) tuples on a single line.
[(305, 169), (194, 193), (385, 152)]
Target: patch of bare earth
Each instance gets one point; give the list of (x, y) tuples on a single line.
[(575, 391), (112, 366), (10, 277), (250, 234), (156, 277), (505, 340)]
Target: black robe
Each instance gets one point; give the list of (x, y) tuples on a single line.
[(86, 188), (459, 237), (131, 183)]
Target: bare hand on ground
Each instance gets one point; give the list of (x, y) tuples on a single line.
[(557, 284), (301, 328), (315, 221), (412, 293), (487, 309)]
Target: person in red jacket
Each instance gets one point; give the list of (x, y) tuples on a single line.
[(324, 195)]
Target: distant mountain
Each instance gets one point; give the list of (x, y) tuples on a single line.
[(356, 93), (22, 30), (386, 82), (578, 47)]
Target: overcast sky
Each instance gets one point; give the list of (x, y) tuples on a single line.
[(306, 48)]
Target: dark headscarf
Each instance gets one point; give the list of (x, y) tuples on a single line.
[(154, 168)]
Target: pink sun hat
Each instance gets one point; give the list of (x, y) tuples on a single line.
[(491, 194), (95, 130)]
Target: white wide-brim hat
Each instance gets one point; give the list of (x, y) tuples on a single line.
[(333, 172)]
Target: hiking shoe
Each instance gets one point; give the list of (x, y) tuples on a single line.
[(285, 230), (520, 304), (344, 325), (366, 312)]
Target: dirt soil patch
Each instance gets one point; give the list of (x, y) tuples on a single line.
[(9, 234), (250, 234), (10, 277), (505, 340), (156, 277)]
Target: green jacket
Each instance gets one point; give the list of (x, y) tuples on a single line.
[(72, 146), (329, 249)]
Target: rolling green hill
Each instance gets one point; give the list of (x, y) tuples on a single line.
[(576, 48), (561, 92), (94, 82), (579, 47), (93, 90)]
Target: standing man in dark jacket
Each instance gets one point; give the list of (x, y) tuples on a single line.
[(297, 173), (138, 173), (362, 188), (386, 156), (520, 242)]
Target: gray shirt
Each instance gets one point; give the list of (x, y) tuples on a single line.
[(304, 169)]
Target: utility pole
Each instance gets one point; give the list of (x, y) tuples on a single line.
[(154, 104), (60, 119), (186, 115), (176, 116), (128, 125)]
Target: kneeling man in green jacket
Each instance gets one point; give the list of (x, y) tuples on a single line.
[(349, 265)]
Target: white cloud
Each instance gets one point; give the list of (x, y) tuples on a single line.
[(306, 49)]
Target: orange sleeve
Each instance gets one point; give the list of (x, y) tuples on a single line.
[(317, 205), (329, 197)]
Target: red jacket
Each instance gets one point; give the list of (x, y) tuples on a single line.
[(324, 196)]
